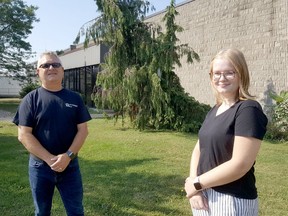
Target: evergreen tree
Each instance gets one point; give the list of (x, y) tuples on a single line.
[(138, 77)]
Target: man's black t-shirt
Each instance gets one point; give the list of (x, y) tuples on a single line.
[(54, 117), (216, 136)]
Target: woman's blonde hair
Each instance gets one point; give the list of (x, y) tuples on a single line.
[(237, 59)]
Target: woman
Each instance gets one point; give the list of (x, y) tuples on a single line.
[(222, 180)]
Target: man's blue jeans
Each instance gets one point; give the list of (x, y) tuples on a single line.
[(43, 181)]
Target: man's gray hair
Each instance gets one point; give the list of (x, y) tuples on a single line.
[(48, 53)]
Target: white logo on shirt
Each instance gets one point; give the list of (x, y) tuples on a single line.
[(70, 105)]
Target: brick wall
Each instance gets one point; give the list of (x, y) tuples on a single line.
[(259, 28)]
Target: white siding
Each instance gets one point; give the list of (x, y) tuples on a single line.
[(81, 57), (9, 87)]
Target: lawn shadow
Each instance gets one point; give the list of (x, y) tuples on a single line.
[(111, 188)]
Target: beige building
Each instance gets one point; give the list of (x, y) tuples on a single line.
[(259, 28)]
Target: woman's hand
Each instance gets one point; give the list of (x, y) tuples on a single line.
[(199, 202), (189, 188)]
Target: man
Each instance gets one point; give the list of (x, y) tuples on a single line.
[(52, 126)]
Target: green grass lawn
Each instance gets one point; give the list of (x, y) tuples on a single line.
[(9, 104), (127, 172)]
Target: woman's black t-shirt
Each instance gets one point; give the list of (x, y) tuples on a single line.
[(216, 139)]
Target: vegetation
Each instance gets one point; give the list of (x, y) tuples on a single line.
[(278, 126), (27, 87), (131, 173), (16, 23), (138, 78), (9, 105)]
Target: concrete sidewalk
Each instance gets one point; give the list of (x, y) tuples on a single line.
[(8, 116)]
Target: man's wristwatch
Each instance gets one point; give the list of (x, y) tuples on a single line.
[(70, 154), (197, 184)]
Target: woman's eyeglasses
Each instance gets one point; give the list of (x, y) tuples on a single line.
[(228, 75), (48, 65)]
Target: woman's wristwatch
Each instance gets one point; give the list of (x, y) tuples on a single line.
[(197, 183)]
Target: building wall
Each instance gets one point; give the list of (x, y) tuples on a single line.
[(81, 66), (259, 28), (9, 87), (77, 57)]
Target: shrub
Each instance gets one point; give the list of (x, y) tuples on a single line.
[(189, 113), (274, 134), (26, 88), (278, 127)]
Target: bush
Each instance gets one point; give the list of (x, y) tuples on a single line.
[(274, 134), (189, 113), (281, 115), (26, 88), (278, 127)]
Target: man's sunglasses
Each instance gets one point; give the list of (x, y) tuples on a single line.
[(48, 65)]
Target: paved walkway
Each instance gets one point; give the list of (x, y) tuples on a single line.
[(6, 116)]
